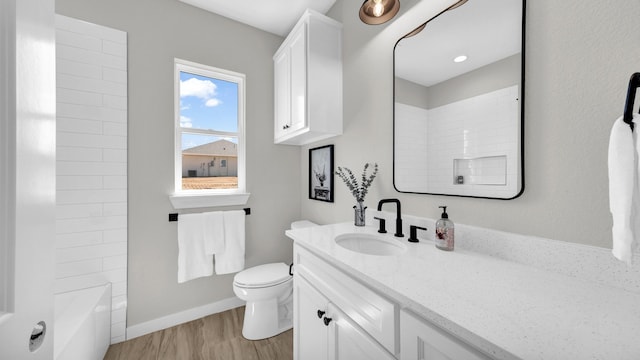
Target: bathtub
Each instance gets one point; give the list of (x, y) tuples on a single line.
[(82, 324)]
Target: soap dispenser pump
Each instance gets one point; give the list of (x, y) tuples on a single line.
[(444, 231)]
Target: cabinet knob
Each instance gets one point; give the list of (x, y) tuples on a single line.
[(285, 127), (320, 314), (327, 321)]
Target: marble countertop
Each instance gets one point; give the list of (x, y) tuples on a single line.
[(506, 309)]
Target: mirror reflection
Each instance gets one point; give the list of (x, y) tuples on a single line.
[(458, 103)]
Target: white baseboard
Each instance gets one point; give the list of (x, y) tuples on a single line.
[(182, 317)]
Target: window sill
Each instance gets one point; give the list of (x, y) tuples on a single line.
[(188, 201)]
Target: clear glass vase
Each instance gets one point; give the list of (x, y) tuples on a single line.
[(359, 214)]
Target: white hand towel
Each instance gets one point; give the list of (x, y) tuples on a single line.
[(192, 260), (623, 174), (232, 258), (213, 232)]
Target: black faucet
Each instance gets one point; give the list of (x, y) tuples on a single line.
[(398, 214)]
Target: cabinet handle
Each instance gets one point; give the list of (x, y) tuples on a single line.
[(285, 127), (327, 321), (320, 314)]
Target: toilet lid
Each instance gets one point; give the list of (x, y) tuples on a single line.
[(263, 275)]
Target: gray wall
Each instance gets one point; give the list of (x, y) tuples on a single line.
[(158, 31), (410, 93), (579, 59), (498, 75)]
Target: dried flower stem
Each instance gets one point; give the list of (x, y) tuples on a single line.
[(358, 190)]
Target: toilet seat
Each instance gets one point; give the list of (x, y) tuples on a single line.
[(263, 276)]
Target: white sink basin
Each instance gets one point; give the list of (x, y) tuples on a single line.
[(370, 244)]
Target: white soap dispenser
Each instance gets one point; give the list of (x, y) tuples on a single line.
[(444, 231)]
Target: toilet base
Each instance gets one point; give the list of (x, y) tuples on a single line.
[(264, 319)]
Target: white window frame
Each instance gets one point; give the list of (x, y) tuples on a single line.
[(182, 199)]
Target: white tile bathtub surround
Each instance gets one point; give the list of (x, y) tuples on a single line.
[(429, 141), (410, 161), (588, 263), (504, 308), (482, 126), (91, 212)]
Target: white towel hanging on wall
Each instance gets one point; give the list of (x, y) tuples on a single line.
[(193, 261), (623, 189), (214, 232), (231, 260)]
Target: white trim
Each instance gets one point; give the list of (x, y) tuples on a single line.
[(182, 317), (199, 200)]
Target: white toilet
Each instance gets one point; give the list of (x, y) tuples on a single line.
[(268, 291)]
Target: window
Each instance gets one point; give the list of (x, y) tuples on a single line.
[(209, 136)]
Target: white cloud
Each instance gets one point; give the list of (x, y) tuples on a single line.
[(213, 102), (203, 89), (185, 122)]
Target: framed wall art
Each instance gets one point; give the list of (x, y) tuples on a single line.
[(321, 173)]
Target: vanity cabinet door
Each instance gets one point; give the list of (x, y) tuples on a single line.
[(321, 331), (298, 51), (421, 340), (310, 340), (290, 84), (282, 82), (347, 341)]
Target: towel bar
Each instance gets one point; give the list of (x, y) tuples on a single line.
[(634, 83), (174, 216)]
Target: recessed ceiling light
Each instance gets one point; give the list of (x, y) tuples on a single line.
[(460, 58)]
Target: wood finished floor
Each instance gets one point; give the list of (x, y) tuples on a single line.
[(217, 336)]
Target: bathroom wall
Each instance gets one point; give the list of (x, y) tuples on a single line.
[(91, 157), (494, 76), (159, 31), (579, 57), (497, 75)]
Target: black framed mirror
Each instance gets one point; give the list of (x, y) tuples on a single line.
[(459, 103)]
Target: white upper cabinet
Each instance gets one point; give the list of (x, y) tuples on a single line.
[(308, 82)]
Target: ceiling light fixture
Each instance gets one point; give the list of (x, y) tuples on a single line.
[(374, 12), (460, 58)]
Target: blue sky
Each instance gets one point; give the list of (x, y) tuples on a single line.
[(207, 103)]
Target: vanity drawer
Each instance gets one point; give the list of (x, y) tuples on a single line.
[(369, 310)]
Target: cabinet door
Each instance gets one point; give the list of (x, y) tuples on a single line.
[(309, 330), (282, 86), (422, 340), (298, 63), (347, 341)]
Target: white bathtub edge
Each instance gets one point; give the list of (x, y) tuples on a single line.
[(182, 317), (82, 323)]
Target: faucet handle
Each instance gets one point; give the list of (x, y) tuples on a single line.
[(413, 229), (382, 229)]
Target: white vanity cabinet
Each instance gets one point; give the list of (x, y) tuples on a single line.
[(322, 331), (336, 317), (422, 340), (308, 82)]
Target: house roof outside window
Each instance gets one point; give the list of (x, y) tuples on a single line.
[(215, 148)]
